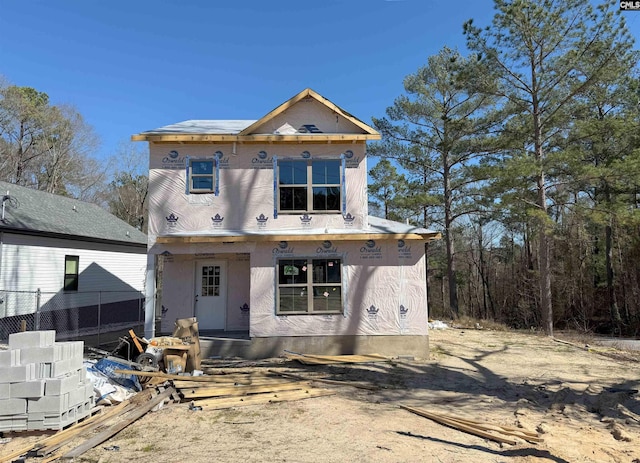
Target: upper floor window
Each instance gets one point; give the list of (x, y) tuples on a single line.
[(201, 175), (71, 267), (310, 185)]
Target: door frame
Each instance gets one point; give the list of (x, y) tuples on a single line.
[(224, 264)]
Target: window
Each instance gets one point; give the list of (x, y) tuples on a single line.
[(71, 265), (201, 174), (309, 185), (309, 286)]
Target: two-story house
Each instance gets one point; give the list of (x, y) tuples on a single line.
[(264, 228)]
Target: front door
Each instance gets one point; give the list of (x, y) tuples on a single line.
[(211, 294)]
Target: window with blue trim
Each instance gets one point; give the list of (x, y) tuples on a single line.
[(201, 175), (310, 185)]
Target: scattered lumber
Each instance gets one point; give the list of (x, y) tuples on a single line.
[(203, 378), (218, 391), (308, 359), (256, 399), (116, 428), (478, 428), (326, 381)]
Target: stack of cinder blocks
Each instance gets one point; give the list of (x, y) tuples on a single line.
[(43, 383)]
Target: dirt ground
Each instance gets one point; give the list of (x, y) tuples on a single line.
[(583, 402)]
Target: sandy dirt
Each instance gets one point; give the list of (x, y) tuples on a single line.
[(581, 401)]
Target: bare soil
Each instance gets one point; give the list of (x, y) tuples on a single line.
[(581, 401)]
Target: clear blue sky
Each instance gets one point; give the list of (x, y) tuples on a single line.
[(130, 66)]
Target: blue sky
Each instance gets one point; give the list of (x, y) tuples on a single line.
[(137, 65)]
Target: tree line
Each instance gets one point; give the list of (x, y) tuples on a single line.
[(52, 148), (525, 152)]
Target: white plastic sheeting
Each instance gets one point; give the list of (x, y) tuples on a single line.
[(246, 190), (383, 282)]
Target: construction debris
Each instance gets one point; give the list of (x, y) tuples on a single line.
[(478, 428), (327, 381), (308, 359)]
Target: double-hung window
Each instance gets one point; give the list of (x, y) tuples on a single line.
[(310, 185), (201, 175), (309, 286), (71, 272)]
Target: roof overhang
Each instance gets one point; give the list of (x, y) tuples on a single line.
[(245, 238), (260, 138)]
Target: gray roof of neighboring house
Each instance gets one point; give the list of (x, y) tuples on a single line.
[(231, 127), (30, 211)]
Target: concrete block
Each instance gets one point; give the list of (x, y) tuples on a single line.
[(49, 404), (37, 354), (62, 385), (5, 390), (17, 374), (5, 424), (54, 421), (61, 368), (35, 425), (78, 395), (13, 406), (28, 389), (9, 358), (59, 351), (32, 339), (43, 370), (36, 416), (19, 424)]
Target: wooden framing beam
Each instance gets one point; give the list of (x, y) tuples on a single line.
[(296, 238), (260, 138)]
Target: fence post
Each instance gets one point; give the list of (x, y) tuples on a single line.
[(99, 314), (37, 320)]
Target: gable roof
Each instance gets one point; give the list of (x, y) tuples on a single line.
[(197, 131), (37, 212)]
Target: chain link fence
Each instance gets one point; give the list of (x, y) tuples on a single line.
[(71, 314)]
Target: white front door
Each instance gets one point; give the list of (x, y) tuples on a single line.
[(211, 294)]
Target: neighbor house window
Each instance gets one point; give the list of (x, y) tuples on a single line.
[(309, 286), (201, 175), (71, 265), (309, 185)]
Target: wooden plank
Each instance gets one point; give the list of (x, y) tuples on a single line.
[(135, 341), (477, 428), (499, 428), (317, 237), (333, 359), (116, 428), (159, 374), (328, 381), (249, 382), (60, 439), (240, 390), (460, 426), (257, 399), (200, 138)]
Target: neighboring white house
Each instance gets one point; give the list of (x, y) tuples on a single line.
[(263, 227), (71, 262)]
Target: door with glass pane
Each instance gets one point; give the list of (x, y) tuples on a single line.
[(211, 295)]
